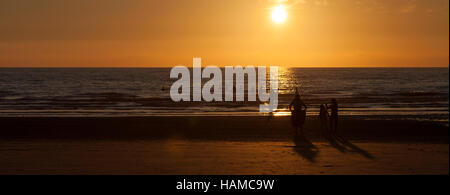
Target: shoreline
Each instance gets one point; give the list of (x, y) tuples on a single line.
[(238, 128)]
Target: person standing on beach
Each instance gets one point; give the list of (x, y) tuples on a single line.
[(334, 117), (323, 120), (298, 115)]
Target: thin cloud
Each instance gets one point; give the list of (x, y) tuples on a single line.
[(321, 2), (410, 7), (288, 3)]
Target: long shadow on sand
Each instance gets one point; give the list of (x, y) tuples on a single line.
[(305, 148), (354, 148), (335, 144), (344, 145)]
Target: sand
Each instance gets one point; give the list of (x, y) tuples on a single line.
[(219, 157), (218, 145)]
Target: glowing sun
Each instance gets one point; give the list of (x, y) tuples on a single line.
[(279, 14)]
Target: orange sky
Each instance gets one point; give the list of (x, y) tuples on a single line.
[(149, 33)]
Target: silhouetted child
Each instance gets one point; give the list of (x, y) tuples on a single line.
[(334, 117), (323, 120)]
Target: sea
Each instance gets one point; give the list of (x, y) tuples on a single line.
[(369, 93)]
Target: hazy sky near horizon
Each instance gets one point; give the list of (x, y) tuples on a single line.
[(149, 33)]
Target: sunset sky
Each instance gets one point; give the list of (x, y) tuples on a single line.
[(155, 33)]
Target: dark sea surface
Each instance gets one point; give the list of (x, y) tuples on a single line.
[(412, 93)]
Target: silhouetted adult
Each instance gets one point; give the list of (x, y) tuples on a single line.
[(298, 114), (323, 120), (334, 116)]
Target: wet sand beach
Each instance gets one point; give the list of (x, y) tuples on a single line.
[(220, 157), (218, 145)]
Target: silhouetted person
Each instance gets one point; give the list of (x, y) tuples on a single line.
[(323, 120), (270, 116), (334, 116), (298, 114)]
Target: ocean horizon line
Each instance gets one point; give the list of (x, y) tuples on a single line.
[(165, 67)]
